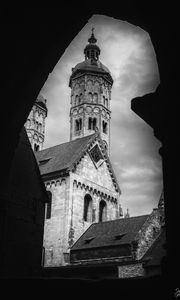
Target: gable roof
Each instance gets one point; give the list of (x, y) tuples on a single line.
[(64, 157), (61, 157), (110, 233), (156, 252)]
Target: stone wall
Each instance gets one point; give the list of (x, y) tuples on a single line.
[(67, 224), (97, 183), (148, 233), (116, 252), (87, 170), (54, 231)]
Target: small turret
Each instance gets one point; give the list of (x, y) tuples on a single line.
[(35, 124)]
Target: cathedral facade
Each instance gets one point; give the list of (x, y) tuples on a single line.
[(78, 175)]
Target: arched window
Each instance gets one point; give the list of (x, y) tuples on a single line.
[(78, 124), (104, 101), (76, 100), (87, 215), (90, 97), (95, 98), (90, 123), (80, 98), (94, 123), (104, 124), (36, 147), (40, 127), (102, 211), (49, 205)]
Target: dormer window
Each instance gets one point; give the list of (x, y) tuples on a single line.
[(44, 161), (88, 240), (119, 236), (96, 156)]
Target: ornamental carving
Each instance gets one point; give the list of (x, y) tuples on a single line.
[(89, 109), (80, 110), (103, 112), (75, 112), (96, 110)]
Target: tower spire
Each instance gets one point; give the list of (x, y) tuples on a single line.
[(91, 84), (92, 51), (35, 123), (92, 39)]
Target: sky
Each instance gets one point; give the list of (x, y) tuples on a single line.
[(128, 52)]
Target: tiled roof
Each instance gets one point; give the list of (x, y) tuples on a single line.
[(110, 233), (87, 65), (156, 252), (62, 156)]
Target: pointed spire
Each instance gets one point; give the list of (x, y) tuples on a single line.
[(92, 51), (92, 39), (127, 215)]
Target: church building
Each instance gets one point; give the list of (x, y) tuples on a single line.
[(78, 174)]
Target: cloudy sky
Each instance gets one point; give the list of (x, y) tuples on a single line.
[(128, 52)]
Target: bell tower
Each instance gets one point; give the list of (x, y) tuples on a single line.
[(35, 123), (90, 84)]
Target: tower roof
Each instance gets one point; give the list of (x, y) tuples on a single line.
[(91, 63), (92, 50), (88, 66)]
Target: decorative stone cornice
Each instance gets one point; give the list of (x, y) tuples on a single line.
[(94, 191)]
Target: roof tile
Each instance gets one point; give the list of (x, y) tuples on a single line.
[(62, 156), (105, 233)]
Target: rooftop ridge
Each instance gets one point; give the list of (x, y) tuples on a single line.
[(85, 137), (147, 215)]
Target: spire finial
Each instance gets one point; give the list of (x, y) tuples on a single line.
[(92, 39)]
